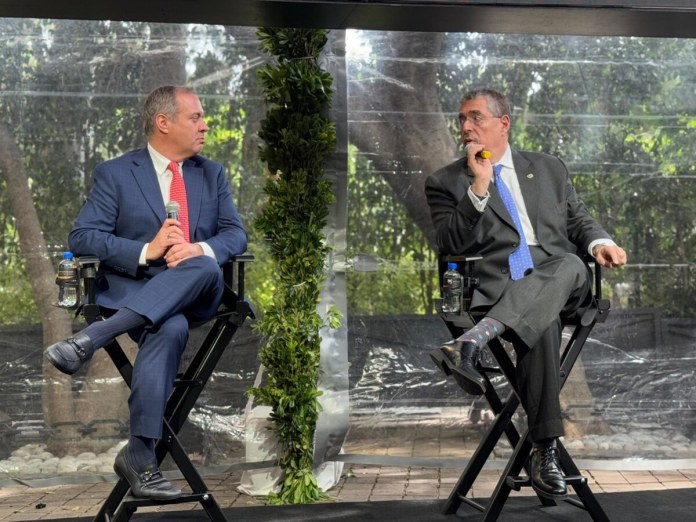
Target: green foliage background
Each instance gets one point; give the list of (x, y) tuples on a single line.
[(619, 111)]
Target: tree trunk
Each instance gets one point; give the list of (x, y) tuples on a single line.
[(57, 324), (406, 137)]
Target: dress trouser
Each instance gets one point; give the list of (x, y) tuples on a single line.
[(189, 292), (532, 309)]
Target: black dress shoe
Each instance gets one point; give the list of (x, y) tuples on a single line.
[(147, 482), (460, 359), (69, 355), (547, 478)]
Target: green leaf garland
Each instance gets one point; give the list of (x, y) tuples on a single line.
[(298, 140)]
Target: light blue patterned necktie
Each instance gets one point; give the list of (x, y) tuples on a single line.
[(521, 258)]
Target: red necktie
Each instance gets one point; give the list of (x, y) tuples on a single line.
[(177, 192)]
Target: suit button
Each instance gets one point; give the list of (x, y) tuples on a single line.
[(504, 270)]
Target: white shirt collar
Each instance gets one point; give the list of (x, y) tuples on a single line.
[(506, 160), (160, 162)]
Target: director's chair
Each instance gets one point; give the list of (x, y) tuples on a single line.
[(505, 408), (233, 311)]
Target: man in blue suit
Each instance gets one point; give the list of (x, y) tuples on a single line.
[(157, 274)]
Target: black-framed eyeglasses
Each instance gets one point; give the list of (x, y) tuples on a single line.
[(474, 117)]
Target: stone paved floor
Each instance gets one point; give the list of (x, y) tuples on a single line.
[(437, 446), (358, 483)]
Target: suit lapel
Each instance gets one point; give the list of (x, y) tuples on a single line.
[(146, 178), (463, 182)]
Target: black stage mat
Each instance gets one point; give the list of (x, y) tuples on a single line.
[(648, 506)]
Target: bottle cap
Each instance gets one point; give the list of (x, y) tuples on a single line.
[(451, 266), (67, 255)]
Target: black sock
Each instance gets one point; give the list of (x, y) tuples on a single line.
[(141, 450), (486, 329), (101, 332)]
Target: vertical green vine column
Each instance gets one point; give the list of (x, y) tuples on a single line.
[(298, 139)]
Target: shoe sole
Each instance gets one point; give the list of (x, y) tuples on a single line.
[(448, 368), (57, 364), (546, 494), (438, 357)]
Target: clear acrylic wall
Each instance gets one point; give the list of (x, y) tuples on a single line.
[(619, 111)]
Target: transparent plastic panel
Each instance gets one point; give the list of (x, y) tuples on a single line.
[(620, 112), (72, 92)]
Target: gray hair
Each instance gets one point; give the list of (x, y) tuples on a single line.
[(161, 101), (495, 101)]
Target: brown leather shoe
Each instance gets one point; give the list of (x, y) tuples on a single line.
[(460, 359)]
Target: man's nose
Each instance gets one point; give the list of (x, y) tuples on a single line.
[(467, 126)]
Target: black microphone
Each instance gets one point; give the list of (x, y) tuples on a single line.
[(172, 209)]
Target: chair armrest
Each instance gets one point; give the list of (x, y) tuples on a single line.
[(596, 270), (88, 273), (461, 259), (233, 275), (465, 266), (601, 307)]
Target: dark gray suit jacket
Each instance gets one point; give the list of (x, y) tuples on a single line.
[(559, 218)]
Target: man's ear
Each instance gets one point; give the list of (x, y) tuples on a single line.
[(505, 120), (162, 123)]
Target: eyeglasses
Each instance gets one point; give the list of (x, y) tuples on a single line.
[(476, 118)]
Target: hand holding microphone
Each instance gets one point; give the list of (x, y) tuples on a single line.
[(178, 249), (480, 171), (169, 234), (171, 231), (172, 209), (482, 154)]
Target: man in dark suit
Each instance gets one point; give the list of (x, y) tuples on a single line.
[(157, 273), (519, 211)]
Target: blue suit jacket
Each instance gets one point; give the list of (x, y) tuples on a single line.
[(125, 210)]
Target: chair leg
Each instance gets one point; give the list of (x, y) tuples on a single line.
[(522, 446), (503, 489), (118, 507), (501, 425), (582, 489), (109, 511)]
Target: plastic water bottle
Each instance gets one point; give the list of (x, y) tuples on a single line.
[(67, 281), (452, 290)]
